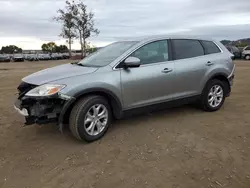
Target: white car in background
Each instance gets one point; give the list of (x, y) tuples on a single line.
[(246, 53)]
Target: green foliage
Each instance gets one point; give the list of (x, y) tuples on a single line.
[(61, 49), (90, 49), (11, 49), (242, 44), (52, 47), (75, 17), (68, 30), (49, 47)]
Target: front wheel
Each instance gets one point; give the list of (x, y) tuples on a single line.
[(90, 118), (213, 95)]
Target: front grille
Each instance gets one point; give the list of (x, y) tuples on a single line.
[(24, 88)]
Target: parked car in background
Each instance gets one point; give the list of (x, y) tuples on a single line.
[(246, 53), (4, 58), (127, 77), (44, 57), (56, 56), (47, 56), (18, 57), (235, 51), (65, 55), (31, 57)]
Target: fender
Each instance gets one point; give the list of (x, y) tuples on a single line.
[(113, 99), (218, 74), (225, 78)]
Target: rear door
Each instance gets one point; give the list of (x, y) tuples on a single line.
[(152, 82), (190, 67)]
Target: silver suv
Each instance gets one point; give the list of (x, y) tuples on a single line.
[(127, 77)]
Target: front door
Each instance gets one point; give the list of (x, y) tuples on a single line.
[(152, 82)]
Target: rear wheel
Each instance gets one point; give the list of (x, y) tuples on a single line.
[(247, 57), (213, 95), (90, 118)]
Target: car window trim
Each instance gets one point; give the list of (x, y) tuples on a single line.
[(170, 57), (174, 52)]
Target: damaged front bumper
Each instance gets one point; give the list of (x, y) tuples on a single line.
[(41, 110)]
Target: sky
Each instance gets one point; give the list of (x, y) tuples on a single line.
[(29, 23)]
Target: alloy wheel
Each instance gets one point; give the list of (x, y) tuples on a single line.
[(96, 119), (215, 96)]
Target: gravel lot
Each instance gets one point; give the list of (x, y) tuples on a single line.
[(181, 147)]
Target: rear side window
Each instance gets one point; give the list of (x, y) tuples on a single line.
[(184, 48), (210, 47)]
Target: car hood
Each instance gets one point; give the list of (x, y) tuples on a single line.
[(57, 73)]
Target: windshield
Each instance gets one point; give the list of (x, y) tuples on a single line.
[(107, 54)]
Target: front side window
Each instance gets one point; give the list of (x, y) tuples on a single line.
[(185, 48), (154, 52), (247, 48), (210, 47)]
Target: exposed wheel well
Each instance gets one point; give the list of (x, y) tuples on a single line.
[(114, 104), (223, 79)]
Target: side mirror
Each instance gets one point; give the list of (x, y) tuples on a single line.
[(131, 62)]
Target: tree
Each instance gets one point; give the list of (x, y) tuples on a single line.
[(11, 49), (84, 23), (52, 47), (76, 16), (90, 49), (49, 47), (61, 49), (45, 47), (68, 29)]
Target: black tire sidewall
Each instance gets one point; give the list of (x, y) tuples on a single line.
[(206, 91), (81, 117)]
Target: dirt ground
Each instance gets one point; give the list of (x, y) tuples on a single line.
[(181, 147)]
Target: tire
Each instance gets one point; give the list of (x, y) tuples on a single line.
[(247, 57), (78, 118), (206, 98)]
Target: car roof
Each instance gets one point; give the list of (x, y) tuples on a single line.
[(159, 37)]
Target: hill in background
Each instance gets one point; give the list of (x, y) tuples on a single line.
[(238, 43)]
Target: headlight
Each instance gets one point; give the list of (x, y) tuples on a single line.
[(45, 90)]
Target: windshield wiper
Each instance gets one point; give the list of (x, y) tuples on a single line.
[(77, 63), (83, 65)]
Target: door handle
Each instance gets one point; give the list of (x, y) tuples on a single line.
[(209, 63), (166, 70)]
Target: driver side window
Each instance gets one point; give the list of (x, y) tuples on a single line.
[(154, 52)]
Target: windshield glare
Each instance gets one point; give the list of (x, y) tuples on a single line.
[(107, 54)]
